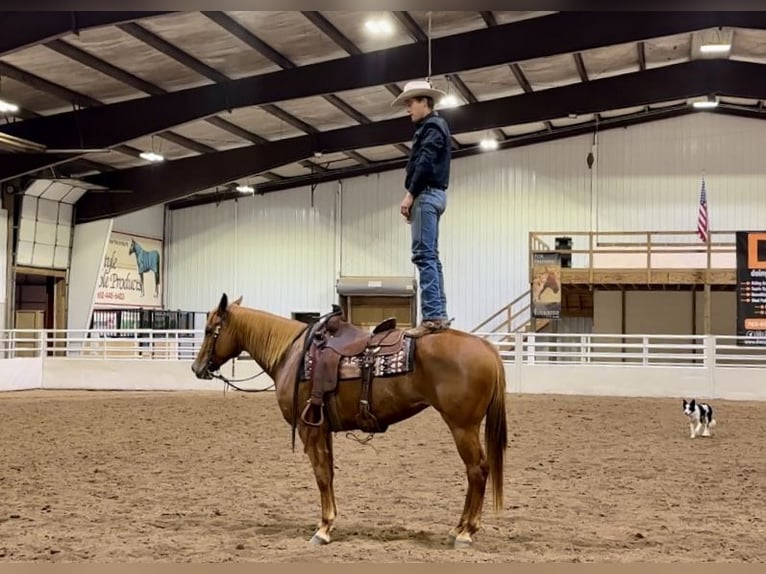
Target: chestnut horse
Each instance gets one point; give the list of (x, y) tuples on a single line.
[(459, 374)]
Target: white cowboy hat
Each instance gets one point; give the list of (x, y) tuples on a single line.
[(418, 88)]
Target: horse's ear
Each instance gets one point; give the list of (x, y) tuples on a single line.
[(238, 301), (224, 303)]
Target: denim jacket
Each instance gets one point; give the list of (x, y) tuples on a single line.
[(429, 163)]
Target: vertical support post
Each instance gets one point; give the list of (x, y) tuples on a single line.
[(710, 360), (707, 321)]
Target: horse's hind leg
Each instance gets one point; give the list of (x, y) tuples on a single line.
[(318, 446), (477, 470)]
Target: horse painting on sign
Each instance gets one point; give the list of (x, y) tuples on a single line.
[(332, 376), (146, 261)]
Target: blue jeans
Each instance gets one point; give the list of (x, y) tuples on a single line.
[(425, 214)]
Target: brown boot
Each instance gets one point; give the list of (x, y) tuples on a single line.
[(426, 327)]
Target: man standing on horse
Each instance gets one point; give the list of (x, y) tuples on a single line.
[(426, 182)]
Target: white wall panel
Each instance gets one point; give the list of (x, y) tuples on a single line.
[(375, 237), (285, 255), (649, 175), (148, 222), (286, 250), (276, 250), (201, 251)]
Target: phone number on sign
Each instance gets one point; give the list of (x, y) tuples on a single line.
[(110, 295)]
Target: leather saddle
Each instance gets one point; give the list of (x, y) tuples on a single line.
[(340, 350)]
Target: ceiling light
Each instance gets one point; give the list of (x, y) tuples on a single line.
[(705, 105), (449, 101), (714, 48), (379, 26), (488, 144), (245, 189), (8, 107), (151, 156)]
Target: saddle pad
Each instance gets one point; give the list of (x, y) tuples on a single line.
[(383, 366)]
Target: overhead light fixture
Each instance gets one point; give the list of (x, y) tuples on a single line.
[(151, 156), (705, 103), (379, 26), (245, 188), (449, 101), (488, 144), (715, 48), (8, 107)]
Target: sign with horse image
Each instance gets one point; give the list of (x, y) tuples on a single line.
[(546, 285), (130, 273)]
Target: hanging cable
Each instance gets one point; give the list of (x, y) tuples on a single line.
[(429, 47)]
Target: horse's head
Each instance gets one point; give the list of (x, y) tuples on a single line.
[(132, 248), (220, 343), (551, 282)]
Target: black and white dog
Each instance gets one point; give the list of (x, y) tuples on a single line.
[(700, 417)]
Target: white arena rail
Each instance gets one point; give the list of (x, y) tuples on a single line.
[(595, 364)]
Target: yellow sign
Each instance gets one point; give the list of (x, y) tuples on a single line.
[(130, 273)]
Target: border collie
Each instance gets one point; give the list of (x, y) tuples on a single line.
[(700, 417)]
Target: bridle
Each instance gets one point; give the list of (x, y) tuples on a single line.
[(217, 375)]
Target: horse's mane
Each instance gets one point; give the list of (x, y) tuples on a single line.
[(269, 333)]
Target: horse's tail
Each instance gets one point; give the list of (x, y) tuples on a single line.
[(496, 433)]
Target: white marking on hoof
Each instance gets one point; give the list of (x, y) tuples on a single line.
[(463, 541), (319, 540)]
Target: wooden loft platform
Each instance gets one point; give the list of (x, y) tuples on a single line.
[(642, 260), (635, 279)]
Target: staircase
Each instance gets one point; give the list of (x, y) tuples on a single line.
[(513, 317)]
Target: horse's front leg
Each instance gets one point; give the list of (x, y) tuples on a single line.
[(318, 446)]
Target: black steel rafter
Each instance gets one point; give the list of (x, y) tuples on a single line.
[(174, 179), (81, 56), (511, 142), (417, 34), (240, 32), (334, 34), (109, 125), (25, 29), (489, 18), (325, 26), (78, 100), (518, 73), (73, 166), (160, 44), (582, 72)]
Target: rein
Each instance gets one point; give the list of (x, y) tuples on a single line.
[(310, 330), (229, 382)]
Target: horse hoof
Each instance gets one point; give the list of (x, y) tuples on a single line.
[(318, 540), (463, 543)]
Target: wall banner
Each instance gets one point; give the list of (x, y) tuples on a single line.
[(751, 288), (546, 285), (131, 272)]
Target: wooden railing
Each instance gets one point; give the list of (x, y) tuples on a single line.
[(508, 315), (619, 250), (642, 249)]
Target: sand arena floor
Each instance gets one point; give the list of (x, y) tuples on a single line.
[(206, 477)]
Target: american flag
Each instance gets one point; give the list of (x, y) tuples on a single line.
[(702, 220)]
